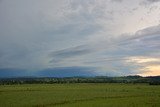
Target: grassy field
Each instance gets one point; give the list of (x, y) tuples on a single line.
[(80, 95)]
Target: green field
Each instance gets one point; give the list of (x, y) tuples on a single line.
[(80, 95)]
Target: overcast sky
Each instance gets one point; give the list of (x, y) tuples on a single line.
[(99, 37)]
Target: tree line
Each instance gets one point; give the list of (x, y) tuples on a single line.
[(155, 80)]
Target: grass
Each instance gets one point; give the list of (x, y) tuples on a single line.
[(80, 95)]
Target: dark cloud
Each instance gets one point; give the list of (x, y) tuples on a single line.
[(69, 52), (54, 72), (37, 35), (144, 42), (67, 72), (6, 72), (153, 0), (148, 2)]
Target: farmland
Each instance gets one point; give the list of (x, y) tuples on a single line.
[(80, 95)]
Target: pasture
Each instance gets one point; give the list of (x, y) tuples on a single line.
[(80, 95)]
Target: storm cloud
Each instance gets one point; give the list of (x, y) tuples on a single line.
[(108, 37)]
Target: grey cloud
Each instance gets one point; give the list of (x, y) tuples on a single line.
[(148, 2), (60, 55), (40, 34), (153, 0), (31, 35), (149, 31), (141, 44), (113, 56), (149, 35), (116, 0)]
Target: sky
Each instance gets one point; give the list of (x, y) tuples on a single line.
[(79, 37)]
